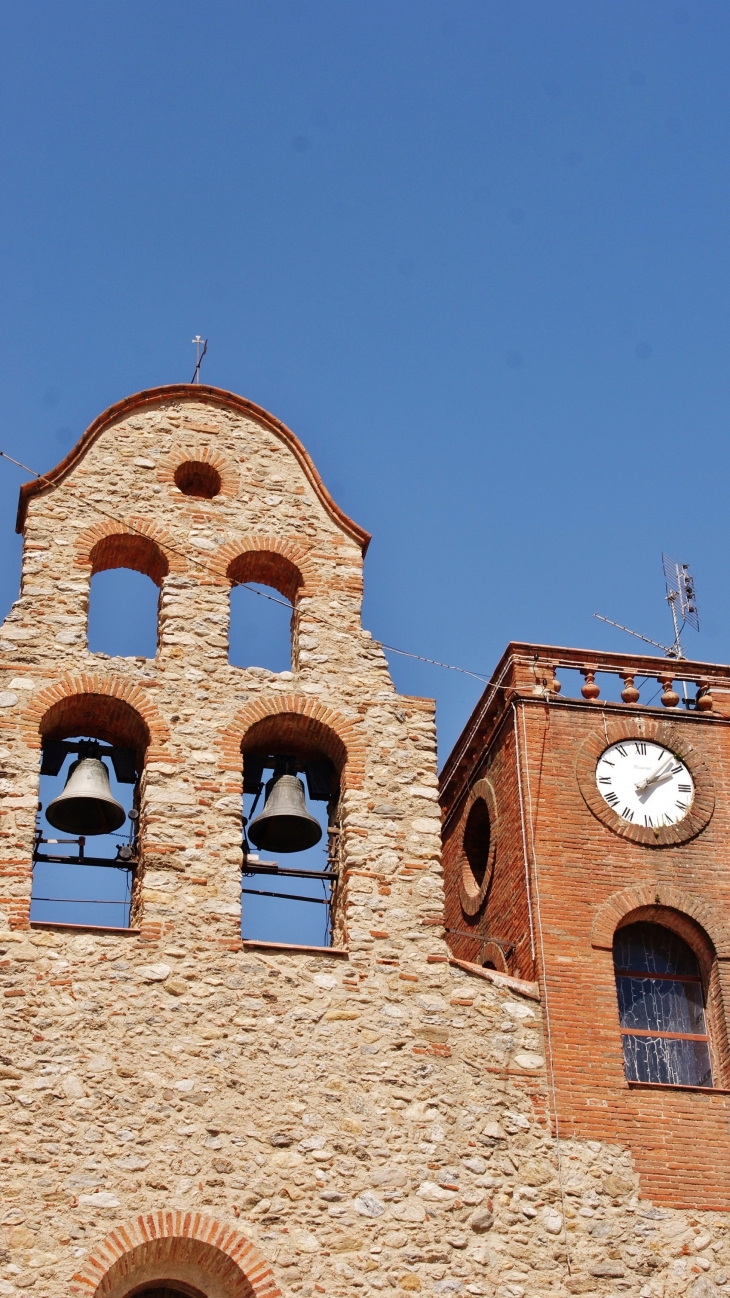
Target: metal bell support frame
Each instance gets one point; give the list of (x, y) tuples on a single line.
[(285, 825), (86, 805)]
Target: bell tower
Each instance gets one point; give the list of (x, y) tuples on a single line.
[(585, 823)]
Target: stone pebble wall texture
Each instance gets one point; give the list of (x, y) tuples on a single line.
[(372, 1120)]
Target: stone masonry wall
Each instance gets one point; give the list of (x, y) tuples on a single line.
[(176, 1105)]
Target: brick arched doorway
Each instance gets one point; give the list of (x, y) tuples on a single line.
[(175, 1255)]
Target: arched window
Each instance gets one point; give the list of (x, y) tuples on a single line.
[(123, 607), (260, 629), (661, 1008), (127, 571), (260, 619)]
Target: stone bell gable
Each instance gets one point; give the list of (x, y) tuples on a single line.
[(201, 490)]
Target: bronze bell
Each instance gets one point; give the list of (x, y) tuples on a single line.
[(86, 805), (285, 825)]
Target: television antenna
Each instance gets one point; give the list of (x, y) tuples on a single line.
[(201, 347), (682, 602)]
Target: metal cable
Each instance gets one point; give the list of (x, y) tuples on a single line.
[(544, 981)]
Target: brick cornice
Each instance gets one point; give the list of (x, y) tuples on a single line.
[(199, 393), (169, 1244), (649, 893)]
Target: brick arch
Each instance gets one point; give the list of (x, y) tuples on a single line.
[(137, 544), (492, 954), (657, 897), (175, 1246), (282, 563), (306, 725), (105, 708), (194, 451)]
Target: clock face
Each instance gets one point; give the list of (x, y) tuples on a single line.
[(644, 783)]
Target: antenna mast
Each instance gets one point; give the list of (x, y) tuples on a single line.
[(682, 602), (200, 343), (680, 593)]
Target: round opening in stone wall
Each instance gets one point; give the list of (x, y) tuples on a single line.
[(196, 478), (476, 845)]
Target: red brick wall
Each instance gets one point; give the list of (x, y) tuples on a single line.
[(584, 879), (504, 918)]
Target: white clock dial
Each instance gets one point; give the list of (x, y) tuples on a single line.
[(644, 783)]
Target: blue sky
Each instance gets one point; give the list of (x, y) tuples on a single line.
[(474, 254)]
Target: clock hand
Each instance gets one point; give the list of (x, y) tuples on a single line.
[(660, 772)]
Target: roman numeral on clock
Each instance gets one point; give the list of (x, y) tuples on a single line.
[(620, 749), (611, 797), (641, 749), (684, 788), (627, 813)]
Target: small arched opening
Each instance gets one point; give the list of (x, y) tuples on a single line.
[(87, 847), (198, 478), (494, 956), (127, 572), (264, 590), (662, 976), (290, 903)]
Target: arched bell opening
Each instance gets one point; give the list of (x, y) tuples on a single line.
[(127, 572), (262, 623), (291, 778), (86, 845)]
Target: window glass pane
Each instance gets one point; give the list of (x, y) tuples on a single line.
[(662, 1003), (653, 1003), (667, 1060), (652, 949)]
